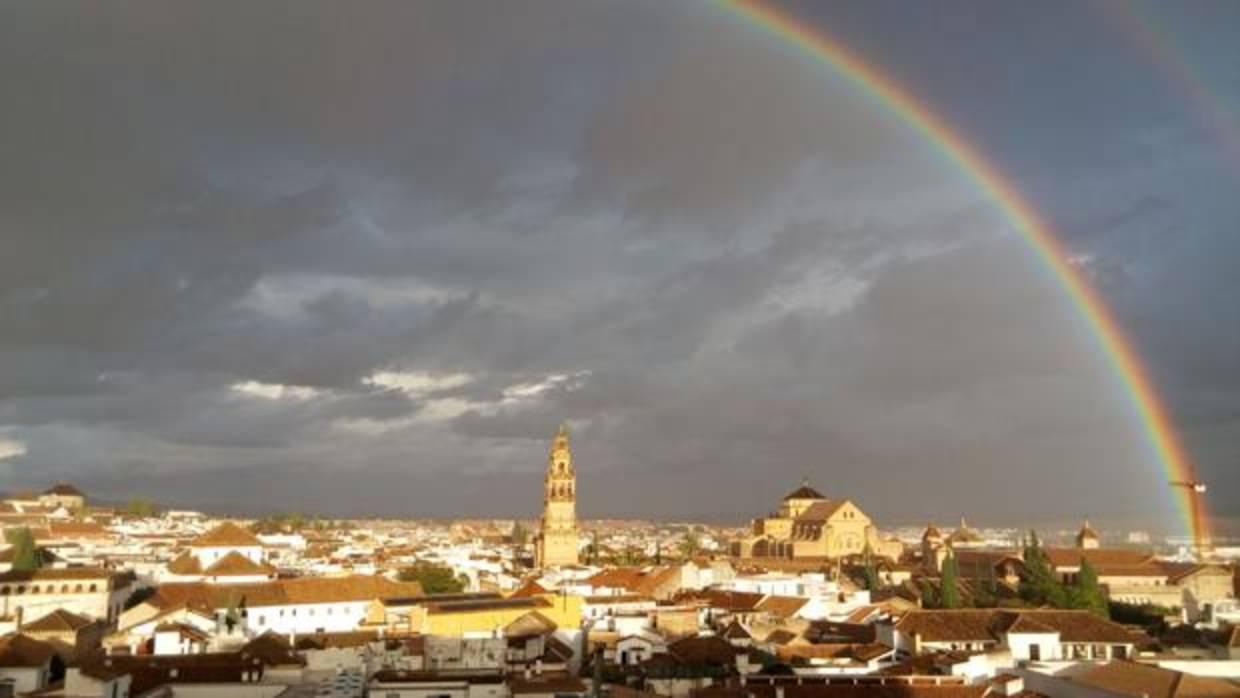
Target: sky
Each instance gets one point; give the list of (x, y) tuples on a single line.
[(364, 258)]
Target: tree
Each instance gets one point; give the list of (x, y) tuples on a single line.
[(1086, 593), (870, 572), (435, 579), (519, 535), (985, 588), (592, 551), (1039, 585), (141, 507), (25, 552), (690, 545), (949, 596)]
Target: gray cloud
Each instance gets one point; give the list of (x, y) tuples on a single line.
[(270, 256)]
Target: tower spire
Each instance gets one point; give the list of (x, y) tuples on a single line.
[(557, 541)]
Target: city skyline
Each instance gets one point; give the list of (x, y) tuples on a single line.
[(256, 263)]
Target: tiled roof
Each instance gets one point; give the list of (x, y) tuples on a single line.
[(830, 631), (59, 620), (731, 601), (529, 625), (1179, 571), (227, 534), (185, 564), (64, 489), (77, 529), (272, 650), (54, 574), (782, 606), (821, 511), (1071, 557), (988, 625), (323, 641), (284, 592), (1142, 680), (24, 652), (234, 564), (530, 588), (857, 652), (703, 650), (804, 492), (547, 683), (637, 580), (780, 637)]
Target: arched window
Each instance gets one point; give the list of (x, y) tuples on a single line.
[(21, 589), (64, 588), (5, 591), (34, 589), (77, 589), (94, 587)]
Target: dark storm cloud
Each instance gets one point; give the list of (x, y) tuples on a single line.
[(264, 255)]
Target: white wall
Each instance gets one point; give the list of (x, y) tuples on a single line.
[(25, 680), (307, 618), (208, 556), (1020, 644)]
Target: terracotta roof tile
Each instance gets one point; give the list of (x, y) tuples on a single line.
[(185, 564), (24, 651), (782, 606), (234, 564), (1132, 679), (227, 534), (988, 625), (59, 620), (64, 489)]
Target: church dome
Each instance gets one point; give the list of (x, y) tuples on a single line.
[(804, 492)]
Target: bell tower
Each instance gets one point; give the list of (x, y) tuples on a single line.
[(557, 541)]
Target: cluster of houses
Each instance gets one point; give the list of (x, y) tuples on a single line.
[(123, 606)]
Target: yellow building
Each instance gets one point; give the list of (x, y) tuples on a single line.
[(808, 525), (556, 544), (473, 615)]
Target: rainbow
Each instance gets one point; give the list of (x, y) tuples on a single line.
[(1169, 60), (1156, 423)]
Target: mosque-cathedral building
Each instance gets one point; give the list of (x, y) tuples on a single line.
[(556, 543), (808, 525)]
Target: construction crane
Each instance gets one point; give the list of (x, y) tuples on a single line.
[(1201, 538)]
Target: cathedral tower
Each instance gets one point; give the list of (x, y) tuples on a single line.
[(557, 542)]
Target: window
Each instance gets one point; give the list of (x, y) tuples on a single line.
[(94, 588), (1035, 652), (21, 589)]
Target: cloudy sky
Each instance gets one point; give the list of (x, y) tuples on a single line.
[(362, 258)]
